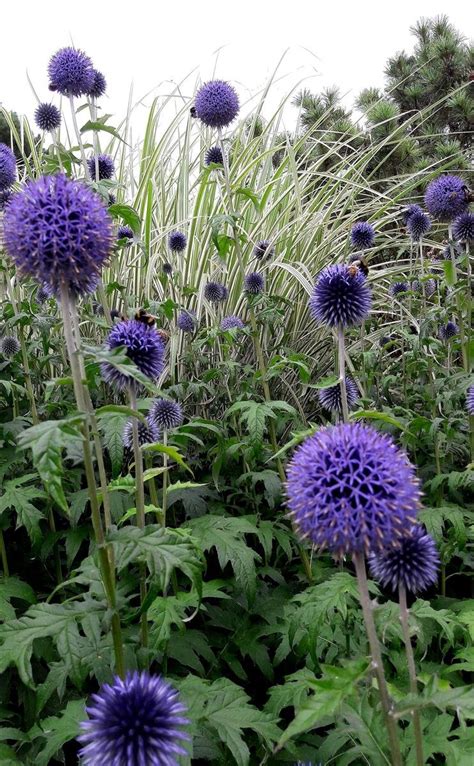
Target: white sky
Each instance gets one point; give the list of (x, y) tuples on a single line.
[(150, 43)]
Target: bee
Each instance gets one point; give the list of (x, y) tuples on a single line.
[(468, 194), (143, 316), (193, 112), (359, 264)]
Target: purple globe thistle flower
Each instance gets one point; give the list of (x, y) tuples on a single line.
[(448, 330), (427, 288), (143, 345), (44, 293), (7, 167), (9, 346), (330, 398), (470, 400), (148, 433), (125, 232), (167, 269), (413, 565), (231, 323), (47, 117), (99, 85), (186, 321), (214, 156), (351, 490), (177, 241), (362, 235), (457, 251), (463, 227), (214, 292), (409, 211), (105, 165), (216, 104), (418, 225), (58, 231), (166, 414), (340, 297), (71, 72), (135, 721), (398, 287), (446, 197), (263, 250), (254, 283)]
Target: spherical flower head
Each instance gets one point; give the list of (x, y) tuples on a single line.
[(71, 72), (177, 241), (254, 283), (362, 235), (428, 287), (330, 398), (340, 297), (231, 323), (398, 288), (43, 294), (47, 117), (7, 167), (217, 104), (99, 85), (409, 211), (125, 232), (418, 225), (143, 345), (351, 490), (456, 251), (57, 231), (167, 269), (214, 156), (463, 227), (214, 292), (9, 346), (448, 330), (166, 414), (105, 165), (148, 433), (446, 197), (263, 250), (134, 722), (413, 565), (186, 321), (470, 400)]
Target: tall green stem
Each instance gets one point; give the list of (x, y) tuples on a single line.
[(140, 509), (402, 596), (164, 502), (462, 334), (341, 354), (79, 138), (3, 554)]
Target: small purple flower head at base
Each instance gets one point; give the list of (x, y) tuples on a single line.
[(186, 321), (105, 166), (99, 85), (57, 230), (214, 156), (427, 288), (143, 345), (351, 490), (135, 721), (47, 117), (231, 323), (7, 167), (413, 565), (418, 225), (263, 250), (399, 288), (362, 235), (446, 197), (44, 293), (409, 211), (9, 346), (470, 400), (331, 400), (463, 227), (177, 241), (71, 72), (448, 331), (165, 414), (148, 433), (214, 292), (254, 283), (167, 269), (216, 104), (125, 232), (340, 297)]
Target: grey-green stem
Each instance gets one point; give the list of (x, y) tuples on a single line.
[(341, 355), (140, 508), (79, 138), (402, 598)]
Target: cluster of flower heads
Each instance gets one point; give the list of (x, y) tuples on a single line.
[(72, 73), (426, 288), (232, 323), (362, 235), (7, 167), (216, 104), (177, 241), (142, 344), (47, 117), (331, 398), (340, 297), (104, 164), (215, 292)]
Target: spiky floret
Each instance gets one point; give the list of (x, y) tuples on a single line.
[(44, 293), (428, 288), (418, 225), (398, 288), (446, 197), (125, 232), (217, 104), (99, 85), (413, 565), (463, 227), (254, 283), (340, 297), (351, 490), (148, 433), (215, 292), (167, 269), (214, 156), (231, 323), (105, 166), (143, 345), (71, 72), (409, 211), (186, 321), (58, 231), (330, 398), (263, 250), (177, 241), (470, 400), (133, 722), (456, 249), (9, 346), (448, 330), (7, 167), (47, 117), (166, 414), (362, 235)]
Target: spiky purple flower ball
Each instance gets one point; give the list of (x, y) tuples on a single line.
[(456, 248), (351, 490), (44, 293), (217, 104), (47, 117), (446, 197), (409, 211), (418, 225), (58, 231), (231, 323), (362, 235), (470, 400), (340, 297), (99, 85), (143, 345), (428, 287), (398, 287), (463, 227), (125, 232), (214, 292), (147, 433), (9, 346), (254, 283), (448, 330), (167, 269), (330, 398), (105, 166), (134, 722), (166, 414), (263, 250), (214, 156), (177, 241), (413, 565), (71, 72), (186, 321), (7, 167)]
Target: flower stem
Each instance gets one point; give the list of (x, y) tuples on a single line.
[(164, 502), (3, 554), (402, 596), (79, 138), (462, 334), (140, 508), (341, 354)]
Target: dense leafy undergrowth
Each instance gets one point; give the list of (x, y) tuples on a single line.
[(208, 584)]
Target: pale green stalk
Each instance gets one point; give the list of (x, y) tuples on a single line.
[(402, 597)]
